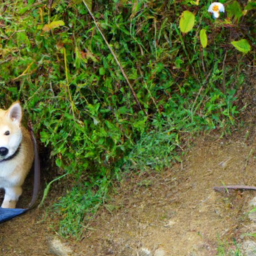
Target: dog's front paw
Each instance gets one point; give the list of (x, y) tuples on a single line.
[(9, 204)]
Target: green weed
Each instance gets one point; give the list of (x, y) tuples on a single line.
[(225, 249)]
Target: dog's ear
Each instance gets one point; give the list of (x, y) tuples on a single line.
[(14, 112)]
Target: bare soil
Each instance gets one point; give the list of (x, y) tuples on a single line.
[(176, 210)]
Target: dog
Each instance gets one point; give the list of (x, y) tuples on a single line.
[(16, 154)]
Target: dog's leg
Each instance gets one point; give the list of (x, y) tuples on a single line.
[(11, 197)]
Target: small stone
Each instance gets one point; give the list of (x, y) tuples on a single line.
[(249, 248), (144, 252), (253, 202), (159, 252), (224, 163), (252, 214), (57, 248), (169, 224)]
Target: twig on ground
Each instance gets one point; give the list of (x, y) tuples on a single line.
[(233, 187)]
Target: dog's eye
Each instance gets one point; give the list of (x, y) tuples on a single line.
[(7, 133)]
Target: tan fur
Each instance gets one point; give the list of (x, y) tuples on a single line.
[(13, 171)]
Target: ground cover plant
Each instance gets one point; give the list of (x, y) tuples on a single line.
[(183, 79)]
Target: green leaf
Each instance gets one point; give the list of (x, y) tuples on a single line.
[(52, 25), (123, 110), (178, 62), (250, 6), (102, 71), (234, 10), (58, 162), (242, 45), (22, 39), (203, 38), (187, 21), (78, 57)]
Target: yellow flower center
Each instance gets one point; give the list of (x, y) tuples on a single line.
[(215, 8)]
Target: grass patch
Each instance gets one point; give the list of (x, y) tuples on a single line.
[(226, 249)]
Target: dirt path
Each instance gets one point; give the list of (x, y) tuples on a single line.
[(175, 212)]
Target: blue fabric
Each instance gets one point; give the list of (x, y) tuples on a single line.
[(7, 214)]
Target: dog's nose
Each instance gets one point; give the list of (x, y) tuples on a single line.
[(3, 151)]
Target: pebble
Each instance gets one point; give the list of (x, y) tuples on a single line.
[(144, 252), (159, 252), (252, 214), (249, 248), (56, 247)]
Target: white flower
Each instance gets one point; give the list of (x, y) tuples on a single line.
[(215, 8)]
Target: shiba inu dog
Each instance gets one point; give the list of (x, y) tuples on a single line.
[(16, 154)]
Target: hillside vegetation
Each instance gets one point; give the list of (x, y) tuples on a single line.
[(103, 112)]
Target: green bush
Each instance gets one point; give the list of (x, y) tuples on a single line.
[(55, 60)]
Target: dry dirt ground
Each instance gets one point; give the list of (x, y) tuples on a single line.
[(175, 212)]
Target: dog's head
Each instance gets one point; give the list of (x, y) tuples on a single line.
[(10, 130)]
